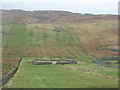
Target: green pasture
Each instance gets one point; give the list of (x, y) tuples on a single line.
[(57, 40), (58, 76)]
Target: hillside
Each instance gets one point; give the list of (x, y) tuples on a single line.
[(49, 16), (91, 40)]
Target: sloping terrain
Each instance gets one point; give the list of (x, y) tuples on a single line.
[(48, 16), (63, 35)]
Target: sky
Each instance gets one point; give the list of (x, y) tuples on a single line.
[(76, 6)]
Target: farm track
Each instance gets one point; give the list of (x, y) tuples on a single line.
[(65, 48), (87, 32), (75, 44), (77, 50), (57, 38), (58, 42)]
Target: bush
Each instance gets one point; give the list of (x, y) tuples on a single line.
[(36, 27), (56, 30)]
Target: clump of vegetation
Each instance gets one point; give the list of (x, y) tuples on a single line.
[(56, 30), (36, 26)]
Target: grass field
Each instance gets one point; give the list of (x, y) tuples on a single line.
[(60, 76), (79, 41)]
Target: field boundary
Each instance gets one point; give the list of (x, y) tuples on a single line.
[(11, 73)]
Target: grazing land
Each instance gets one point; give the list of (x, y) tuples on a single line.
[(83, 40), (65, 76)]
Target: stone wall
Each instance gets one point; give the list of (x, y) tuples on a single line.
[(45, 62), (10, 74)]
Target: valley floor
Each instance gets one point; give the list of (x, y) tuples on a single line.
[(81, 75)]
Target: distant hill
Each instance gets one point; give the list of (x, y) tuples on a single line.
[(43, 16)]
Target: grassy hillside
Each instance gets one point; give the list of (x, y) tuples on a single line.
[(82, 41)]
